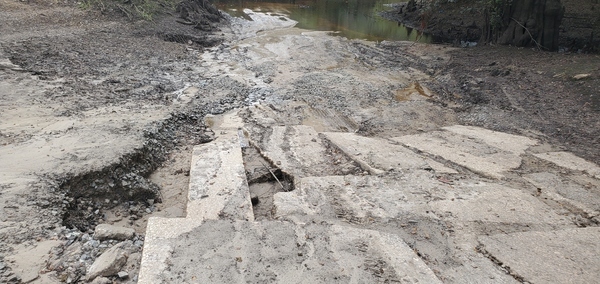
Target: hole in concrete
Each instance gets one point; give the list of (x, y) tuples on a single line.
[(264, 180)]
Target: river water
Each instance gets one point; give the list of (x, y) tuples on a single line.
[(357, 19)]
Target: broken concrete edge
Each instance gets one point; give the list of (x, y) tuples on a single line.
[(496, 139), (438, 149), (480, 248), (546, 190), (363, 165), (571, 162), (265, 156)]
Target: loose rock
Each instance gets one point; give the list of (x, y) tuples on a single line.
[(106, 232), (122, 274), (109, 263)]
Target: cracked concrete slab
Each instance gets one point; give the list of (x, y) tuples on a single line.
[(571, 162), (483, 151), (563, 256), (584, 197), (283, 252), (359, 198), (508, 142), (494, 203), (379, 155), (218, 187), (297, 150)]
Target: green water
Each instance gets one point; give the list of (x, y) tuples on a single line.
[(351, 18)]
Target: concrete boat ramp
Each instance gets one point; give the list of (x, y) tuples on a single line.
[(459, 204)]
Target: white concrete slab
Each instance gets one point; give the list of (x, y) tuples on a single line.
[(564, 256), (357, 198), (572, 162), (485, 152), (297, 150), (218, 186), (504, 141), (494, 203), (283, 252), (379, 155)]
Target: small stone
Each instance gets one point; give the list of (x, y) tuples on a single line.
[(148, 210), (106, 232), (123, 274), (150, 201), (101, 280), (581, 76)]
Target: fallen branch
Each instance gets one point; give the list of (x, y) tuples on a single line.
[(539, 46), (273, 174)]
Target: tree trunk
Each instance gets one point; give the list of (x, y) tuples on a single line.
[(531, 23)]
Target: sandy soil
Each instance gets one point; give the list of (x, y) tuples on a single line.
[(99, 114)]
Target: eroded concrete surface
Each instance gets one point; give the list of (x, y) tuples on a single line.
[(387, 187), (452, 224), (428, 201)]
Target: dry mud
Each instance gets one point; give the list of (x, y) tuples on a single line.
[(99, 116)]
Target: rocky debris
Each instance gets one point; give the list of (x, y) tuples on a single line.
[(73, 258), (110, 262), (123, 275), (110, 232)]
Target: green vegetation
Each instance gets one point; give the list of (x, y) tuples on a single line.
[(133, 9), (496, 8)]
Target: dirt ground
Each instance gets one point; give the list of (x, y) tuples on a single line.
[(98, 116)]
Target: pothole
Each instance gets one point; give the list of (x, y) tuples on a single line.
[(151, 180), (264, 181)]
